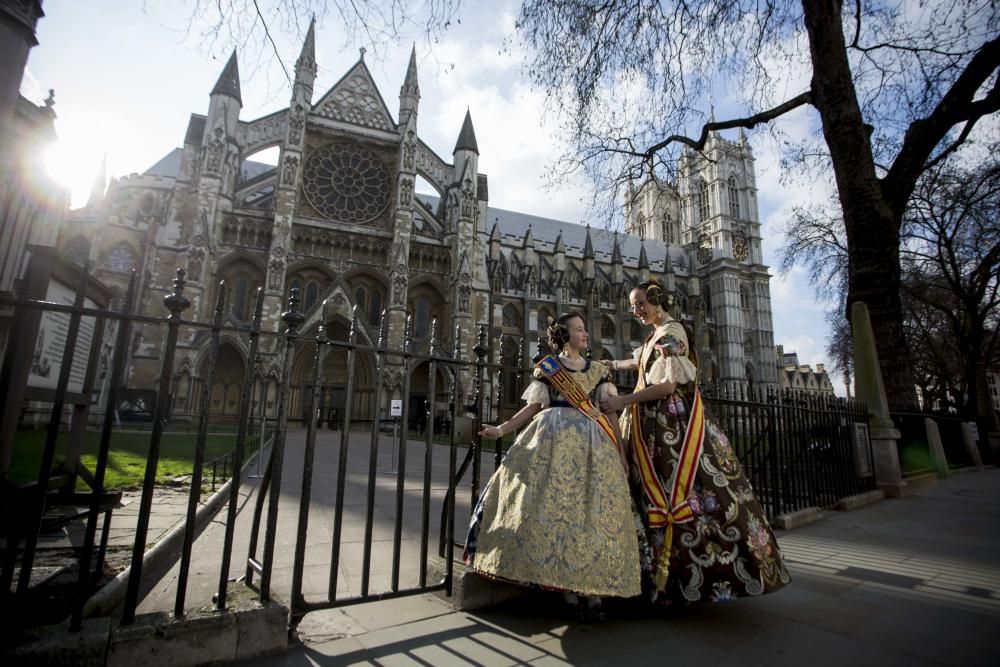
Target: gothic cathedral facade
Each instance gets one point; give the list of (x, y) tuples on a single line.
[(339, 219)]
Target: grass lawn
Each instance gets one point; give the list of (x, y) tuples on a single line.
[(127, 456)]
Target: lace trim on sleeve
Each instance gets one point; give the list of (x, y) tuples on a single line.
[(678, 370), (537, 392), (604, 390)]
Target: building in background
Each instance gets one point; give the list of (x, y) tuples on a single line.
[(32, 204), (801, 377), (360, 215)]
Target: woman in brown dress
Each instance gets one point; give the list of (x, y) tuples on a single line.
[(706, 536)]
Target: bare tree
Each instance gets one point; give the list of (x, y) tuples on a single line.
[(951, 268), (840, 348), (897, 88), (252, 25)]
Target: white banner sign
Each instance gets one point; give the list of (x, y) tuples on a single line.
[(53, 327)]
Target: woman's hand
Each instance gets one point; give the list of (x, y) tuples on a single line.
[(490, 432), (612, 403)]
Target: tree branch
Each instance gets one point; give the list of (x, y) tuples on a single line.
[(956, 106), (749, 123)]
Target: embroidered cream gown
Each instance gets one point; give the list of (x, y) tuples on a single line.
[(557, 512)]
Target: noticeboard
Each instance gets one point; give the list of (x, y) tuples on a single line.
[(396, 408), (862, 450)]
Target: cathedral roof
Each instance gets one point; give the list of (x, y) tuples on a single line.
[(169, 166), (513, 226)]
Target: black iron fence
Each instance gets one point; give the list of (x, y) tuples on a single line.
[(28, 507), (914, 444), (799, 450)]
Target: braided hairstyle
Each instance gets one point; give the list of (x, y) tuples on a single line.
[(655, 293), (558, 331)]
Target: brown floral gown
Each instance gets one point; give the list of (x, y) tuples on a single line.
[(725, 547)]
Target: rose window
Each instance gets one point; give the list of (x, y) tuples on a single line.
[(346, 183)]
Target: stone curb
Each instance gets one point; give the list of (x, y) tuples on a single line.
[(199, 638), (158, 560), (860, 500), (800, 517)]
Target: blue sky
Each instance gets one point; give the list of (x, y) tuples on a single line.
[(128, 73)]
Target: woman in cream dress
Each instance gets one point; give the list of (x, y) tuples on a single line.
[(557, 512)]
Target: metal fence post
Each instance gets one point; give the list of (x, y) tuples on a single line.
[(175, 303), (481, 349), (292, 319), (199, 454)]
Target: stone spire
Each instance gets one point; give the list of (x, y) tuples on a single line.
[(229, 80), (588, 246), (305, 66), (467, 137), (98, 189), (409, 93)]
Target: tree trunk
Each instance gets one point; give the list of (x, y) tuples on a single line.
[(872, 226)]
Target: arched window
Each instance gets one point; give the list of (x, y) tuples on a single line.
[(544, 314), (575, 283), (608, 328), (375, 308), (510, 372), (744, 297), (734, 198), (359, 300), (312, 293), (295, 284), (421, 319), (241, 288), (78, 250), (511, 318), (635, 330), (668, 230), (703, 207), (120, 258)]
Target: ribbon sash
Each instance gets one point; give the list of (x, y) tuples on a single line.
[(667, 510), (560, 378)]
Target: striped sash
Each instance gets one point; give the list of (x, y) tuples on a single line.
[(560, 378), (664, 510)]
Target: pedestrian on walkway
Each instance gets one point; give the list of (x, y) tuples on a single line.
[(706, 537), (557, 512)]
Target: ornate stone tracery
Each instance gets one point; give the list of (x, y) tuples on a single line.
[(356, 101), (346, 183)]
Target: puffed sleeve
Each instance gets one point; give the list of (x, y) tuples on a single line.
[(637, 355), (672, 364), (605, 383), (537, 392), (606, 389)]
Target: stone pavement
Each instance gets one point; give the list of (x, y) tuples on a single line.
[(205, 564), (913, 581)]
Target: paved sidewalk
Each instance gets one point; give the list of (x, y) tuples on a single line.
[(914, 581)]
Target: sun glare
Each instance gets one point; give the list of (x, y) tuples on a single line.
[(71, 170)]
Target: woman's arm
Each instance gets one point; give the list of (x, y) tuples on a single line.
[(651, 393), (520, 418), (621, 364)]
